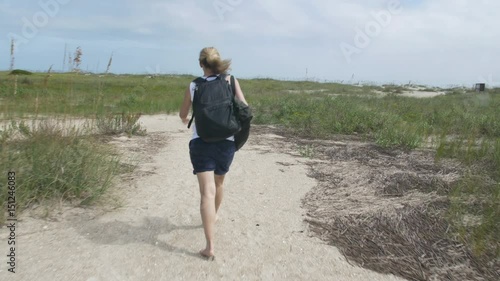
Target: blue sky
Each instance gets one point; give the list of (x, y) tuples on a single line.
[(438, 42)]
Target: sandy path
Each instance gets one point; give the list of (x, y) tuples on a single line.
[(156, 233)]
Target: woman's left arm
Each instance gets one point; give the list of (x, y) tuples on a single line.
[(239, 92)]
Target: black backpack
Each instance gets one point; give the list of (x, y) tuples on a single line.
[(214, 109)]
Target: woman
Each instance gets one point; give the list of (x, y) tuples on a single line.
[(210, 161)]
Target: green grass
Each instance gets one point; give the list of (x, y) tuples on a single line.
[(51, 162), (462, 125), (477, 195), (73, 94), (477, 199)]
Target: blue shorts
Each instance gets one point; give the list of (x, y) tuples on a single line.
[(211, 156)]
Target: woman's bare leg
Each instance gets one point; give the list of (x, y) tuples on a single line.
[(219, 191), (207, 209)]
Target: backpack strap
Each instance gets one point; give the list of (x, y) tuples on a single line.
[(191, 121), (233, 85), (197, 82)]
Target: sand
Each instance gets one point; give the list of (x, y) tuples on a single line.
[(154, 232)]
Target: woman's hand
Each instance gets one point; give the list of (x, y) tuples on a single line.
[(185, 120)]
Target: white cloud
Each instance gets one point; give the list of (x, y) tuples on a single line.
[(291, 34)]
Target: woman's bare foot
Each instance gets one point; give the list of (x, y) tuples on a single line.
[(207, 254)]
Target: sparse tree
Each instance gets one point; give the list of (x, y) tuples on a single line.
[(12, 58), (70, 62), (64, 59), (77, 60), (109, 63), (46, 80)]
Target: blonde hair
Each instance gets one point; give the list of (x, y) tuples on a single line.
[(210, 58)]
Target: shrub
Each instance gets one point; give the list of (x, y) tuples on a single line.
[(51, 162), (115, 124), (20, 72)]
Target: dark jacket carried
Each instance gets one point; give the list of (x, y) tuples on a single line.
[(244, 116)]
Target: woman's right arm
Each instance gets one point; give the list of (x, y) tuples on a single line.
[(186, 105)]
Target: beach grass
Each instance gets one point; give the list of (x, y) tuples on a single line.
[(461, 124)]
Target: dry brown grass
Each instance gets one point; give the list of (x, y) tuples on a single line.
[(386, 211)]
